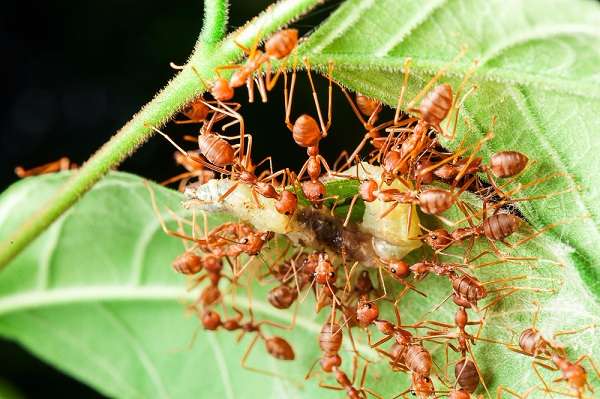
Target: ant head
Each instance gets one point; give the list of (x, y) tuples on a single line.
[(196, 110), (398, 268), (367, 190), (367, 105), (439, 239), (211, 320), (252, 243), (422, 386), (366, 312), (287, 203), (314, 191), (221, 90)]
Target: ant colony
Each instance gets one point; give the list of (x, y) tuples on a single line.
[(415, 209)]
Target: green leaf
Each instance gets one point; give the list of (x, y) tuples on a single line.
[(538, 74), (96, 297)]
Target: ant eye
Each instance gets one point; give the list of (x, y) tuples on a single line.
[(368, 305), (331, 274), (393, 270), (244, 241), (314, 274), (427, 379), (433, 237)]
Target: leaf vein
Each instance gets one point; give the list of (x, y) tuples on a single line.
[(134, 342)]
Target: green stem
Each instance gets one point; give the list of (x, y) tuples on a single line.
[(216, 13), (157, 112)]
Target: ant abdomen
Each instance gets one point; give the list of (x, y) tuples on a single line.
[(436, 105), (531, 341), (466, 375), (330, 338), (418, 359), (508, 163), (187, 263), (435, 201), (279, 348), (282, 43), (282, 297), (306, 131), (216, 150), (501, 225), (469, 289)]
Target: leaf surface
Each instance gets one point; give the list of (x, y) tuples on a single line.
[(96, 297), (538, 75)]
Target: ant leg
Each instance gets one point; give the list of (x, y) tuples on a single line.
[(228, 192), (272, 81), (347, 286), (347, 219), (177, 178), (160, 218), (328, 386), (344, 156), (502, 388), (56, 166), (390, 209), (247, 51), (324, 127), (262, 90), (227, 110), (261, 371), (382, 341), (250, 88), (535, 364), (406, 71), (302, 170), (457, 104), (287, 327), (577, 331), (476, 147), (474, 360), (226, 67), (354, 107), (289, 97), (543, 230), (190, 156)]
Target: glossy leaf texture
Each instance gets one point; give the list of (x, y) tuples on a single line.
[(96, 297), (537, 75)]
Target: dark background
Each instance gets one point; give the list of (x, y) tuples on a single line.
[(75, 71)]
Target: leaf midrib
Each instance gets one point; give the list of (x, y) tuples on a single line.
[(121, 293)]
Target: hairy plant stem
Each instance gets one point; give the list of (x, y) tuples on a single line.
[(208, 53)]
